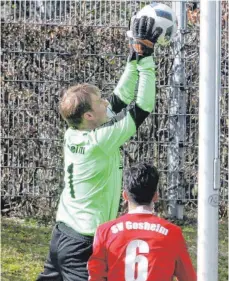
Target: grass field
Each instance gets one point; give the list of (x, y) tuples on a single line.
[(25, 246)]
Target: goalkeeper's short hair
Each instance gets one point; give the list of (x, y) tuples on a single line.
[(75, 102)]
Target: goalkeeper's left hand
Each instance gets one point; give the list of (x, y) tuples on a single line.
[(142, 37)]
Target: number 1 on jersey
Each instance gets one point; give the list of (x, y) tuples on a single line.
[(70, 178), (138, 263)]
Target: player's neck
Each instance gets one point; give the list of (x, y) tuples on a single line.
[(132, 207), (87, 126)]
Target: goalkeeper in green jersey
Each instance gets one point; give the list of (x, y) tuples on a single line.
[(93, 169)]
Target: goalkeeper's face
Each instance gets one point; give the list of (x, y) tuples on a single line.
[(99, 110)]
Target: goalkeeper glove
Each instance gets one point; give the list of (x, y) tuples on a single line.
[(142, 39)]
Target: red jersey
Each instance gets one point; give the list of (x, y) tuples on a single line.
[(140, 247)]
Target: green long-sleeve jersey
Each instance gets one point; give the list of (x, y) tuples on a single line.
[(93, 168)]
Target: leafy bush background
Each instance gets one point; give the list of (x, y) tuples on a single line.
[(50, 45)]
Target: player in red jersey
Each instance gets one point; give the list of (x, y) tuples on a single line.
[(140, 246)]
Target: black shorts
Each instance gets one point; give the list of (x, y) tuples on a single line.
[(68, 256)]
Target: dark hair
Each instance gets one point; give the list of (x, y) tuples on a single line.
[(140, 183), (75, 102)]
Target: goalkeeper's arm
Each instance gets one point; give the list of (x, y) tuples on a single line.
[(122, 126), (124, 91), (141, 46)]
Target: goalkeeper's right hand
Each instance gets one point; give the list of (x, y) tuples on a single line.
[(142, 39)]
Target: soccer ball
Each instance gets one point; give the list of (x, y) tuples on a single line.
[(164, 17)]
